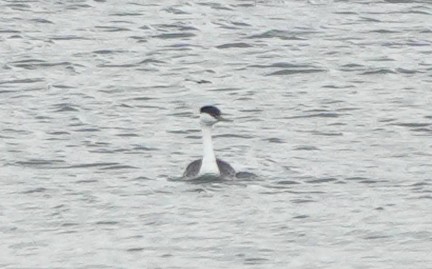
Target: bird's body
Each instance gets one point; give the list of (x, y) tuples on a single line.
[(209, 164), (193, 169)]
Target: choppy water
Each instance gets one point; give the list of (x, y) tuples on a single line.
[(331, 102)]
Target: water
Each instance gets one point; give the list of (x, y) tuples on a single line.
[(331, 102)]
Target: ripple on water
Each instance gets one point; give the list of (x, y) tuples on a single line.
[(33, 64), (302, 201), (286, 72), (35, 190), (316, 115), (234, 45), (40, 163), (412, 124), (137, 249), (176, 11), (106, 222), (91, 165), (363, 180), (319, 133), (322, 180), (179, 35), (287, 182), (306, 148), (67, 37), (274, 140), (119, 167), (417, 127), (21, 81), (378, 71), (280, 34), (65, 107)]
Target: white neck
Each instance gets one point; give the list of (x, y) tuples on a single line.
[(209, 164)]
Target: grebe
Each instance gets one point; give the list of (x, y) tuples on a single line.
[(209, 164)]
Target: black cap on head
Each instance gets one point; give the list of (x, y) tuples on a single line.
[(211, 110)]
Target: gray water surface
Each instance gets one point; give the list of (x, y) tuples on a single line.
[(331, 103)]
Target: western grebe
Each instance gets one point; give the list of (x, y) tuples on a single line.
[(209, 164)]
